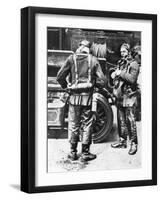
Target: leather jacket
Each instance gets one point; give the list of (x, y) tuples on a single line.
[(82, 97), (129, 74)]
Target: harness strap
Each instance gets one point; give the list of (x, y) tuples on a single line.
[(89, 68), (76, 69)]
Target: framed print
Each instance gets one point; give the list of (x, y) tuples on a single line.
[(88, 99)]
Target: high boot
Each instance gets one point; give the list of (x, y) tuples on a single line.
[(73, 153), (133, 148), (86, 155)]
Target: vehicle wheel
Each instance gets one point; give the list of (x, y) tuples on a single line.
[(104, 120)]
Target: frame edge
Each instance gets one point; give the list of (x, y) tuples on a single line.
[(24, 100), (27, 114)]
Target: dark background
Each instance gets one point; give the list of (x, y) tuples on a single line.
[(69, 38)]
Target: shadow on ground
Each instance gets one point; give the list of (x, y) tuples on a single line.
[(15, 186)]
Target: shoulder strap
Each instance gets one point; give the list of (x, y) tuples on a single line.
[(76, 69), (89, 68), (128, 65)]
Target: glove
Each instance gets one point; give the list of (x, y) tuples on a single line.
[(115, 73), (118, 72)]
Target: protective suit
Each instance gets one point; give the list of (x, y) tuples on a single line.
[(125, 90), (82, 70)]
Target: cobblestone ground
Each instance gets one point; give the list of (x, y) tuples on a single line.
[(107, 157)]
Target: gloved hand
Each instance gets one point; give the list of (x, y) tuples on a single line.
[(115, 73), (118, 72)]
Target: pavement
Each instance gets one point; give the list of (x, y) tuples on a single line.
[(107, 158)]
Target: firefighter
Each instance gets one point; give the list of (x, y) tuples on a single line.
[(125, 91), (83, 69)]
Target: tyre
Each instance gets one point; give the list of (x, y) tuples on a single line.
[(104, 120)]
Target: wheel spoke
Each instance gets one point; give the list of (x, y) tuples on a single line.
[(101, 114), (96, 129), (100, 125)]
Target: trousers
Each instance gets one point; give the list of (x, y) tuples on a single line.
[(80, 124), (127, 124)]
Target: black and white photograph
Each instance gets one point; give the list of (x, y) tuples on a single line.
[(80, 100), (93, 99)]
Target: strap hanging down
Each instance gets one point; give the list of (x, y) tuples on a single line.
[(76, 69), (89, 68)]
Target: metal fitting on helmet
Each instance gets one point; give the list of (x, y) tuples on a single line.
[(126, 46), (85, 43)]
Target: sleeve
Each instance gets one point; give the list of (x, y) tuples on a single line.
[(63, 73), (99, 74), (131, 75)]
